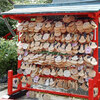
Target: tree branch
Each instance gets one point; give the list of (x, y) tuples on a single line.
[(8, 26)]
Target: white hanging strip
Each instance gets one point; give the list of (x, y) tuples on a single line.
[(20, 34), (95, 34)]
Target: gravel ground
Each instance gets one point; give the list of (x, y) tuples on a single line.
[(51, 97), (3, 94), (3, 86)]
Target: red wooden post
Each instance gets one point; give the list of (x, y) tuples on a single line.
[(96, 50), (20, 84), (19, 63), (10, 82), (91, 83), (99, 86)]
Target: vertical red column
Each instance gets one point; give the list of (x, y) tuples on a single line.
[(96, 19), (96, 50), (20, 84), (99, 86), (10, 82), (93, 82), (90, 92), (19, 63)]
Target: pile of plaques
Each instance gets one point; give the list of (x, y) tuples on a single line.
[(57, 53)]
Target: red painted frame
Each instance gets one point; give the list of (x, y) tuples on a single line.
[(92, 82)]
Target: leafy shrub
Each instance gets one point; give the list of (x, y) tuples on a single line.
[(8, 56)]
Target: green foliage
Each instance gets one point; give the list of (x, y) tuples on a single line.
[(5, 6), (31, 1), (43, 1), (8, 55)]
